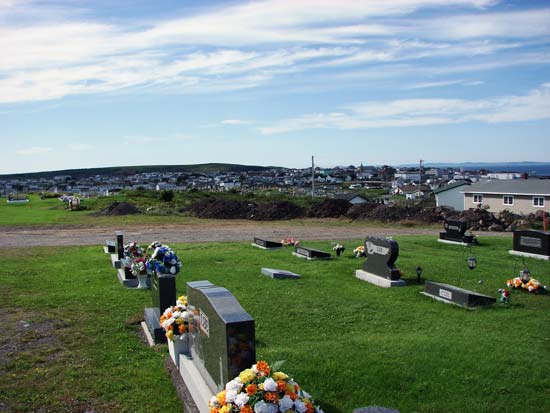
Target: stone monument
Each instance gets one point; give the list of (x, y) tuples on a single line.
[(163, 295), (455, 233), (379, 268), (279, 274), (266, 245), (310, 253), (118, 255), (531, 243), (222, 342), (457, 296)]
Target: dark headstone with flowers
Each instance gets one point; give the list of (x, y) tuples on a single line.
[(163, 265)]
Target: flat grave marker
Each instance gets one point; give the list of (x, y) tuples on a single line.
[(266, 245), (458, 296), (279, 274), (310, 253)]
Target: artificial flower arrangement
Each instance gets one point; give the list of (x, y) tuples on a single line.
[(339, 249), (163, 260), (526, 282), (135, 258), (359, 251), (175, 319), (258, 390), (290, 242)]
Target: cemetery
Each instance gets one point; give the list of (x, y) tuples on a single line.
[(348, 343)]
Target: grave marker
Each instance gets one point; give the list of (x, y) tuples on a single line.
[(531, 243), (265, 244), (455, 233), (379, 268), (279, 274), (163, 295), (310, 253), (222, 342), (457, 296)]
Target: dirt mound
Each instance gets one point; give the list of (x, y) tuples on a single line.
[(361, 211), (222, 209), (276, 210), (119, 208), (329, 208)]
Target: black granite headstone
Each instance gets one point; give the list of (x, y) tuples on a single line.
[(532, 242), (456, 295), (267, 244), (110, 247), (310, 252), (119, 244), (222, 337), (163, 295), (381, 256), (455, 231)]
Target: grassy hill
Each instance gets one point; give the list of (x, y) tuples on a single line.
[(131, 170)]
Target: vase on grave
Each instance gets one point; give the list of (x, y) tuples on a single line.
[(178, 345)]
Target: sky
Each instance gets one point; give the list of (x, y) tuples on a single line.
[(92, 83)]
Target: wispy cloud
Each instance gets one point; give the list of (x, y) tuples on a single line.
[(227, 48), (34, 150), (236, 122), (421, 112), (80, 147)]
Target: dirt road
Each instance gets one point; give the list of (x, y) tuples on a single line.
[(207, 232)]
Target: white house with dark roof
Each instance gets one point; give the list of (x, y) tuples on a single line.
[(521, 196)]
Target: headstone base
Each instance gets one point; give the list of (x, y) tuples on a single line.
[(279, 274), (529, 255), (115, 261), (463, 244), (106, 249), (455, 295), (310, 258), (148, 336), (379, 281), (130, 282), (196, 386), (266, 248), (152, 322)]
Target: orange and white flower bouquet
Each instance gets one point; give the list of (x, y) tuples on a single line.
[(259, 390), (175, 319)]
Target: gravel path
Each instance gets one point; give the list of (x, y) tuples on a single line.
[(208, 232)]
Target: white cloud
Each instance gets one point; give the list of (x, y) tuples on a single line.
[(248, 44), (236, 122), (34, 150), (417, 112)]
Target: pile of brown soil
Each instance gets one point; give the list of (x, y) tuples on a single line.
[(222, 209), (277, 210), (329, 208), (119, 208)]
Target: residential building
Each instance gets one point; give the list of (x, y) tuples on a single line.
[(521, 196), (451, 195)]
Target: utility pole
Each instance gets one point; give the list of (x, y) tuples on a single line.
[(420, 172), (312, 176)]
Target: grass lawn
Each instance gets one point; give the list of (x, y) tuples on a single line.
[(70, 338)]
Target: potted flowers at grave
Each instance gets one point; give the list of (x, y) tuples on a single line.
[(175, 322), (526, 282), (359, 251), (339, 249), (258, 390), (289, 242), (134, 263), (163, 260)]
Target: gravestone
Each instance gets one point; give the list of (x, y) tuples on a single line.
[(221, 339), (455, 231), (379, 268), (279, 274), (118, 255), (265, 244), (110, 247), (310, 253), (163, 295), (531, 243), (457, 296)]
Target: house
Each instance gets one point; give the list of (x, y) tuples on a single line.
[(451, 195), (521, 196), (354, 199)]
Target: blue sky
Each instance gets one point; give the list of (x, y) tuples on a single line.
[(102, 83)]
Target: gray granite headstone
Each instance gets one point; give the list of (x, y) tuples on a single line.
[(381, 256), (278, 274), (222, 335)]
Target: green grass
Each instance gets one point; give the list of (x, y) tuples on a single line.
[(348, 343)]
